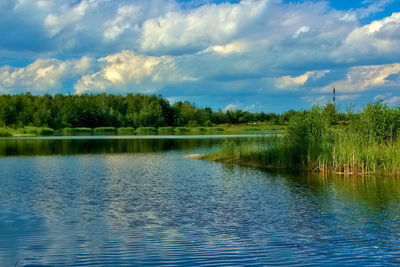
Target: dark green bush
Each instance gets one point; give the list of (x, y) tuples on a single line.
[(44, 131), (166, 129), (77, 131), (182, 129), (126, 130), (104, 130), (5, 132), (146, 130)]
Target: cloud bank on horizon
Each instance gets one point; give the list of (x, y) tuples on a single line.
[(268, 55)]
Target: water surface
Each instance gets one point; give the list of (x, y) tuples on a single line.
[(138, 201)]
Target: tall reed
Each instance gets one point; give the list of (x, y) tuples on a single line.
[(369, 144)]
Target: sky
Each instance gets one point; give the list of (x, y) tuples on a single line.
[(255, 55)]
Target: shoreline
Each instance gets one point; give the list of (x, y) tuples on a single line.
[(324, 171)]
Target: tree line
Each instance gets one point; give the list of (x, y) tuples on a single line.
[(105, 110)]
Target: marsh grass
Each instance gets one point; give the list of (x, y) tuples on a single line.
[(166, 129), (126, 130), (77, 131), (105, 131), (146, 130), (215, 129), (31, 130), (198, 129), (369, 144), (182, 129), (45, 131)]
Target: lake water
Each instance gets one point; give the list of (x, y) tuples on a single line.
[(137, 201)]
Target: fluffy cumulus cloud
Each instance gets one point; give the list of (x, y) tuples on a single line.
[(288, 82), (226, 49), (362, 78), (378, 39), (200, 28), (42, 76), (233, 106), (69, 16), (128, 72)]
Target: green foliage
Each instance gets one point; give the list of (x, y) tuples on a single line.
[(44, 131), (308, 135), (182, 129), (368, 144), (146, 130), (215, 129), (5, 132), (166, 129), (102, 110), (198, 129), (30, 130), (378, 122), (104, 130), (126, 130), (77, 131)]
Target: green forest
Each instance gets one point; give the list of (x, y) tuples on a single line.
[(105, 110)]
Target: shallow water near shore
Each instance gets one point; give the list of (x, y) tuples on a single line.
[(122, 201)]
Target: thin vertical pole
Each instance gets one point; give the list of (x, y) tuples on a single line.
[(334, 96)]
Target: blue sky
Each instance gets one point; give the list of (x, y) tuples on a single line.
[(256, 55)]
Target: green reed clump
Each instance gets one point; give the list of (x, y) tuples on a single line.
[(104, 130), (370, 143), (77, 131), (31, 130), (5, 132), (166, 129), (28, 130), (198, 129), (182, 129), (146, 130), (45, 131), (126, 130), (215, 129)]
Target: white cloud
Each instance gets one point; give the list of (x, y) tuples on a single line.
[(55, 23), (42, 76), (394, 100), (230, 48), (127, 72), (233, 106), (289, 82), (388, 98), (347, 97), (317, 100), (380, 37), (301, 30), (235, 47), (121, 22), (130, 17), (362, 78), (197, 29), (373, 6)]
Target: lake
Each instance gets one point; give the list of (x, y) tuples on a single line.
[(123, 201)]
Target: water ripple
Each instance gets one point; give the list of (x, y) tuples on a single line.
[(153, 207)]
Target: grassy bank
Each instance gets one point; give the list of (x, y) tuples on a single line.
[(368, 144), (228, 129)]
